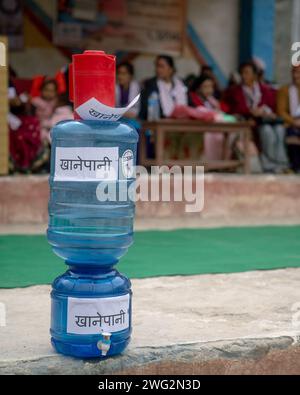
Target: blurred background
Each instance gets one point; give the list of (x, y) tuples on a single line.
[(217, 73), (231, 61)]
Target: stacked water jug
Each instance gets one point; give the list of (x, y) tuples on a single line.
[(91, 302)]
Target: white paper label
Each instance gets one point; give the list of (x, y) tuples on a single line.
[(95, 315), (86, 163), (93, 110), (127, 163)]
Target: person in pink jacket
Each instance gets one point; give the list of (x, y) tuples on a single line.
[(62, 112), (45, 105)]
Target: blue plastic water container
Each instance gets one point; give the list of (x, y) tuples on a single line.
[(91, 302)]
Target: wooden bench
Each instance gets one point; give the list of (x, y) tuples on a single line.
[(163, 126)]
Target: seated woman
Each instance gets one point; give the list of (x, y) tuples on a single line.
[(288, 108), (127, 89), (202, 94), (169, 88), (256, 102), (208, 71), (168, 91)]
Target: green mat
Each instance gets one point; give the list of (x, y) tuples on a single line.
[(28, 260)]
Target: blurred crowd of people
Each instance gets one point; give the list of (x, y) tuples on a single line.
[(34, 110), (273, 112)]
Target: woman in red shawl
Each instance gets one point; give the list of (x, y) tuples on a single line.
[(24, 133), (256, 101)]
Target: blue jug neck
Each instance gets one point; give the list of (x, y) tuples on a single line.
[(88, 270)]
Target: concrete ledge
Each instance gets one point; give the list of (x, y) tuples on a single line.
[(252, 356), (23, 199), (208, 324)]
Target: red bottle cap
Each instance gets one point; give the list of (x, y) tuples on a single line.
[(92, 74)]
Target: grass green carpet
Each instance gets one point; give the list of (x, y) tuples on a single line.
[(28, 260)]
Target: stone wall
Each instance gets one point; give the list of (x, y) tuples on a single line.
[(24, 199)]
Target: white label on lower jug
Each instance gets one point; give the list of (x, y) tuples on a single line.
[(86, 163), (89, 316)]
